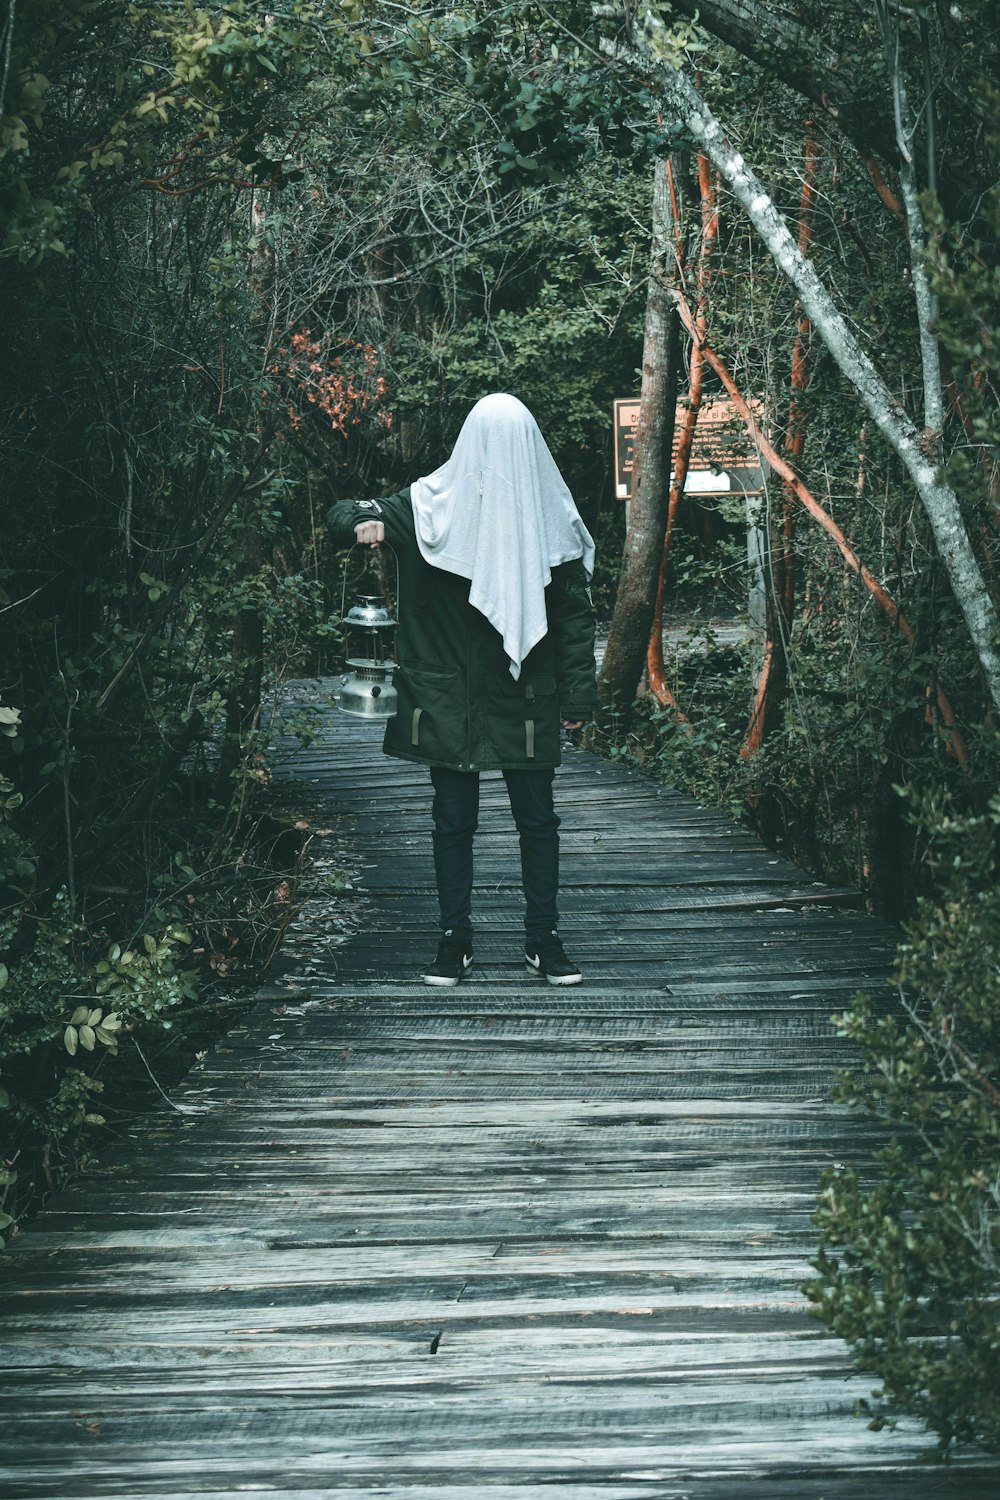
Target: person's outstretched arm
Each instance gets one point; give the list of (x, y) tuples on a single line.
[(371, 522)]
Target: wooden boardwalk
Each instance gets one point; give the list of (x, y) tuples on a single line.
[(487, 1242)]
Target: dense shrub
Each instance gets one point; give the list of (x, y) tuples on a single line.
[(909, 1267)]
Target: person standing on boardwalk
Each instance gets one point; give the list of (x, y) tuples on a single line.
[(495, 649)]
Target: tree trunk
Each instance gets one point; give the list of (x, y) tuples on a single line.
[(655, 666), (783, 577), (628, 638), (926, 302), (940, 502)]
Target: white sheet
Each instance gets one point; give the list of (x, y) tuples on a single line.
[(499, 513)]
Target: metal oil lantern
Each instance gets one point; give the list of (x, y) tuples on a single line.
[(366, 684)]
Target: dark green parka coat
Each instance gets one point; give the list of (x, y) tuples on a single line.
[(458, 704)]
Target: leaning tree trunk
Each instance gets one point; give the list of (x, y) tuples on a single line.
[(628, 637), (914, 448)]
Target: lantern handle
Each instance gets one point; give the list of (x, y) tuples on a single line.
[(343, 588)]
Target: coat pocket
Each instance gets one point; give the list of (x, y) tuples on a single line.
[(524, 719), (427, 722)]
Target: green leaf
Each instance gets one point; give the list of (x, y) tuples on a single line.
[(87, 1037), (71, 1038), (79, 1015)]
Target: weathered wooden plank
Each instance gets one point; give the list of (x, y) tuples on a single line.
[(628, 1482), (288, 1139), (902, 1483)]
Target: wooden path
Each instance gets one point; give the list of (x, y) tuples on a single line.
[(489, 1242)]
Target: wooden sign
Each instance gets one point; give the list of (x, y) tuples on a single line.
[(626, 426), (723, 458)]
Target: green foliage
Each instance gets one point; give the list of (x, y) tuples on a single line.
[(165, 234), (543, 103), (699, 752), (511, 316), (909, 1268), (855, 707), (145, 515), (178, 96), (965, 276), (62, 1006)]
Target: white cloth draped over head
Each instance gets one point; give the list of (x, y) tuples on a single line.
[(499, 513)]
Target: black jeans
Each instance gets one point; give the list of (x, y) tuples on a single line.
[(456, 818)]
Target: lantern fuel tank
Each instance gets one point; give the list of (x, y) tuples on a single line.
[(366, 689)]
